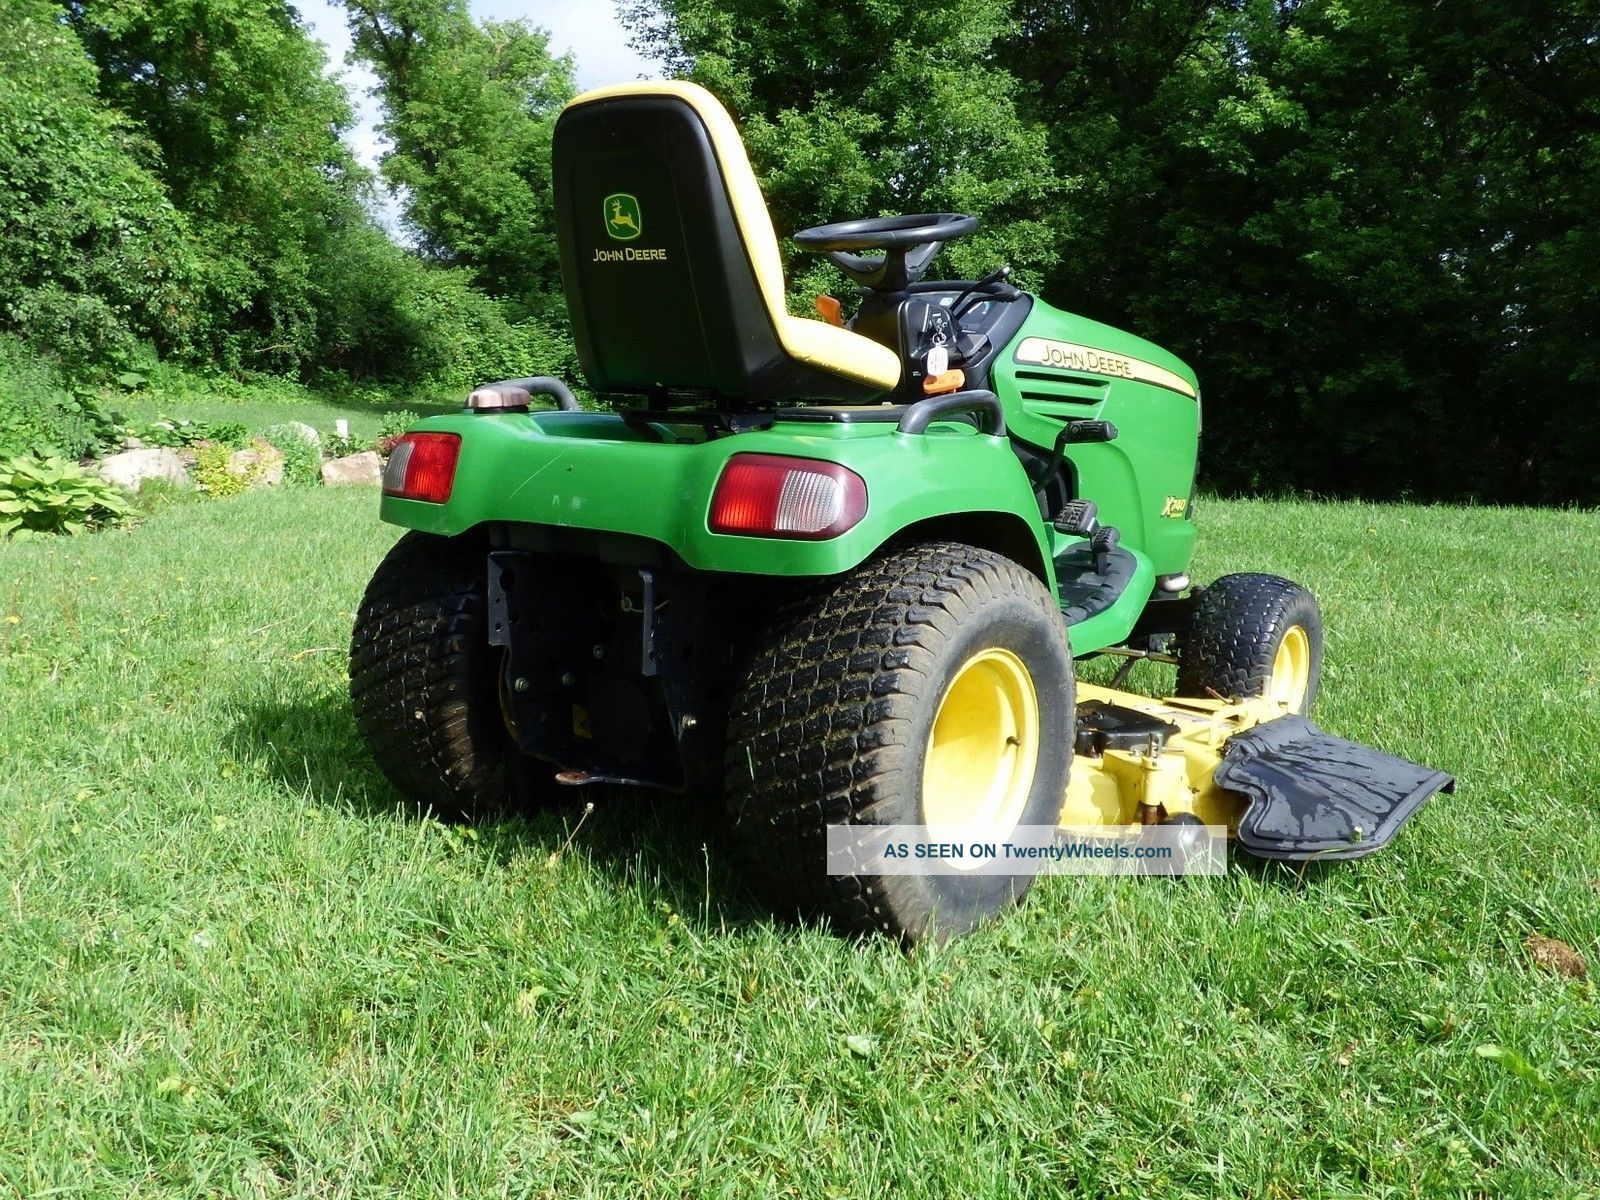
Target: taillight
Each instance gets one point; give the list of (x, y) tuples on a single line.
[(422, 466), (772, 495)]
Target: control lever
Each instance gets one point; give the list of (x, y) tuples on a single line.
[(1080, 431), (998, 275), (1105, 540), (1074, 433)]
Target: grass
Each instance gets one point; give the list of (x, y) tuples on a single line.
[(233, 965), (276, 401)]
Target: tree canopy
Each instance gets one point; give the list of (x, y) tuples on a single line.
[(247, 131), (1374, 229), (174, 179), (91, 249), (469, 110)]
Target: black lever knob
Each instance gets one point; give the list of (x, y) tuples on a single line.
[(1105, 540), (1082, 431)]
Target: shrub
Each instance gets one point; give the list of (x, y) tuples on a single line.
[(39, 416), (180, 433), (91, 250), (229, 433), (175, 386), (302, 461), (52, 495), (393, 427), (335, 446), (81, 330), (211, 474), (396, 423), (462, 337)]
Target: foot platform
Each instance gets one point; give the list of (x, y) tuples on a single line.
[(1091, 576)]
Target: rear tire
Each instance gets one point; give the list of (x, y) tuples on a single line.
[(424, 681), (1254, 635), (844, 703)]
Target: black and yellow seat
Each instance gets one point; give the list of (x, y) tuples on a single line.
[(671, 267)]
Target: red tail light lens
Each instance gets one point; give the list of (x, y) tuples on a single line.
[(772, 495), (422, 466)]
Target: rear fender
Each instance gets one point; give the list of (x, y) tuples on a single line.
[(593, 471)]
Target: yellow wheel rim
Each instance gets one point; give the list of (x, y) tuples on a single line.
[(982, 750), (1291, 670)]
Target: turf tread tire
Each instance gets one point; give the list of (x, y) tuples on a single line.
[(1238, 625), (424, 680), (817, 728)]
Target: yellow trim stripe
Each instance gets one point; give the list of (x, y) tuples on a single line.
[(1069, 356)]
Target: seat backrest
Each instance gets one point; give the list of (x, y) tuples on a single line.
[(671, 268)]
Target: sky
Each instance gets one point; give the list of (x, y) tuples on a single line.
[(588, 29)]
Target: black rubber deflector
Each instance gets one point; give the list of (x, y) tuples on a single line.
[(1314, 796)]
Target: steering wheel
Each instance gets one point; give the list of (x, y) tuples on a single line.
[(908, 244)]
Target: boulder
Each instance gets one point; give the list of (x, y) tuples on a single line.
[(132, 467), (262, 465), (305, 431), (364, 469)]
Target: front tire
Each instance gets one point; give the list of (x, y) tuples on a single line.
[(1254, 635), (932, 685)]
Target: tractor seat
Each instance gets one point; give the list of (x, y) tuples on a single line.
[(671, 268)]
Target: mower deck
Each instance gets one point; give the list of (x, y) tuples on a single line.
[(1283, 788)]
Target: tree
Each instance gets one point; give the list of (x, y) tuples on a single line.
[(92, 254), (469, 110), (872, 110), (234, 96), (1375, 231)]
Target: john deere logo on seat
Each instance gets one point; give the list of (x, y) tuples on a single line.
[(622, 216)]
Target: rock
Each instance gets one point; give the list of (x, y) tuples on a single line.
[(364, 469), (132, 467), (262, 465), (305, 431), (132, 443)]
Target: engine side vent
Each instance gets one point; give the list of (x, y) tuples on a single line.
[(1057, 377), (1056, 387)]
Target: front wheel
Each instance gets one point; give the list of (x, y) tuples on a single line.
[(930, 686), (1254, 635)]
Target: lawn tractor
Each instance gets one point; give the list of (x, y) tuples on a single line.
[(833, 572)]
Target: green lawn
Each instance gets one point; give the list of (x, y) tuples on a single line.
[(231, 965), (259, 407)]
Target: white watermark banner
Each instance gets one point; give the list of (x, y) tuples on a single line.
[(1029, 850)]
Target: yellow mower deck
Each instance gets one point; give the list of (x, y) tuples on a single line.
[(1283, 788), (1134, 787)]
